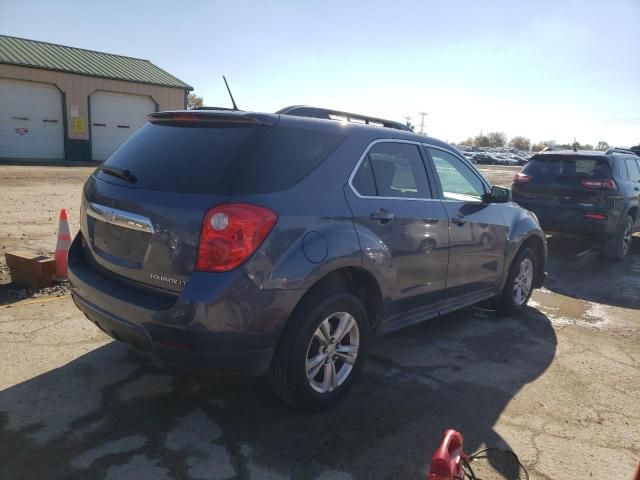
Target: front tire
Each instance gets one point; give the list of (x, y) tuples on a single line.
[(618, 246), (519, 285), (321, 352)]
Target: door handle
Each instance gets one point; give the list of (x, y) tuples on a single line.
[(382, 215), (459, 220)]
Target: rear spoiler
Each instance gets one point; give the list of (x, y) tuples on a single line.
[(330, 114), (212, 117)]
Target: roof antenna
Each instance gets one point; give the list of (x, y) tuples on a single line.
[(235, 107)]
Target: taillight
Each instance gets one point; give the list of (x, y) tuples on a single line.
[(521, 178), (607, 184), (595, 216), (231, 232)]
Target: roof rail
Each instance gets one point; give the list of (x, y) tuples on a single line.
[(620, 150), (329, 114)]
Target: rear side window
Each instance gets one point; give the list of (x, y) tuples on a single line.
[(220, 159), (566, 168), (392, 170)]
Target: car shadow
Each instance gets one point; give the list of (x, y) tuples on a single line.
[(115, 413), (576, 268)]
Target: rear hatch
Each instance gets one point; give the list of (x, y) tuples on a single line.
[(142, 211), (561, 187)]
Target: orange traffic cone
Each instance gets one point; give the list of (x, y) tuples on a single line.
[(62, 248)]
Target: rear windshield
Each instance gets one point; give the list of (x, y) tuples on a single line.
[(220, 159), (566, 168)]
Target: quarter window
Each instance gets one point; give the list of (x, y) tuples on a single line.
[(392, 170), (458, 181)]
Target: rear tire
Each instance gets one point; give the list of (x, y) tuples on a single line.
[(519, 285), (314, 365), (617, 247)]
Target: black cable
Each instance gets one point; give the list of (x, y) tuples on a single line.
[(466, 464), (478, 455)]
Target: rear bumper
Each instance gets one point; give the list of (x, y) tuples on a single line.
[(574, 221), (219, 322), (174, 350)]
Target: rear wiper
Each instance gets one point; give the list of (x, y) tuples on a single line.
[(122, 173)]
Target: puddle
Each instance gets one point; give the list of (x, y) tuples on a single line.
[(567, 310)]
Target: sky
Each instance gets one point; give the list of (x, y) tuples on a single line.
[(546, 70)]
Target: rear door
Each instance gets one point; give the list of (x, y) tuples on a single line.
[(146, 227), (477, 234), (148, 230), (402, 227)]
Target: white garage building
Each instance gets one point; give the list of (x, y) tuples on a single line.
[(65, 103)]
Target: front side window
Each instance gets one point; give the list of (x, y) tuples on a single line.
[(633, 166), (458, 181), (392, 170)]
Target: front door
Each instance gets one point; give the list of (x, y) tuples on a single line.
[(478, 231), (403, 229)]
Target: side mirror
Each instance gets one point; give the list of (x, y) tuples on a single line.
[(498, 195)]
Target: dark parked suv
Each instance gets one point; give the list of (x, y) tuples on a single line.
[(594, 194), (279, 243)]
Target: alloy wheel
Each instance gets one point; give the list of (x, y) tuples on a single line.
[(332, 352), (523, 282), (626, 240)]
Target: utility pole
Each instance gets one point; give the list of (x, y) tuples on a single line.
[(422, 114)]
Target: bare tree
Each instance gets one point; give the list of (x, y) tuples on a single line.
[(602, 145), (497, 139), (410, 125), (194, 101), (542, 145), (481, 141), (521, 143)]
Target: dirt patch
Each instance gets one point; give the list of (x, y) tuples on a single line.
[(30, 201), (558, 383)]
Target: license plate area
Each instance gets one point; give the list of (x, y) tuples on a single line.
[(119, 242)]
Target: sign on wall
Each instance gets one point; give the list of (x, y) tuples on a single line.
[(22, 131), (78, 125)]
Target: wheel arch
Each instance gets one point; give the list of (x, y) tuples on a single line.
[(633, 212), (355, 280), (538, 246), (537, 242)]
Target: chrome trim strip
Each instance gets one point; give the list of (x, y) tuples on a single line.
[(364, 154), (120, 218)]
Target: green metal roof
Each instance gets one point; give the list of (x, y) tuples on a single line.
[(49, 56)]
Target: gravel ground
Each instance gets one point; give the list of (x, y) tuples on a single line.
[(559, 384)]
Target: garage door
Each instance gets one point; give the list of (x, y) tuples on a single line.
[(114, 117), (31, 123)]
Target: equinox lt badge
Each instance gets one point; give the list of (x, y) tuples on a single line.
[(162, 278)]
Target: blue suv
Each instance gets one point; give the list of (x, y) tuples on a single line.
[(279, 244)]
